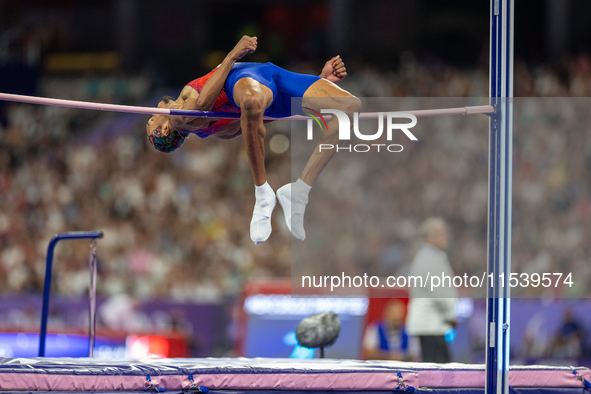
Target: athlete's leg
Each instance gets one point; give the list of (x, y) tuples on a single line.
[(324, 94), (293, 197), (253, 98)]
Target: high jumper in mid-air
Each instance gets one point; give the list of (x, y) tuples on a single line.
[(256, 90)]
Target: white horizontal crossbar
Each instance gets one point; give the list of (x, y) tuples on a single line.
[(478, 109)]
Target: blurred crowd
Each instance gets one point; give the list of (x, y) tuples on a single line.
[(368, 224), (176, 225)]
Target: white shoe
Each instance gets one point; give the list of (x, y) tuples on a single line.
[(294, 208), (260, 225)]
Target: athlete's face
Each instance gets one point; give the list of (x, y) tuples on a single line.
[(160, 125)]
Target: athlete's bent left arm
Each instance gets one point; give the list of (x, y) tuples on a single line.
[(213, 87)]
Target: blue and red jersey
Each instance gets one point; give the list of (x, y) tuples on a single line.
[(222, 104)]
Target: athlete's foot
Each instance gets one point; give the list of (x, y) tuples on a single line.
[(260, 225), (293, 200)]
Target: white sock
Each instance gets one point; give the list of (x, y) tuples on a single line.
[(293, 198), (263, 192), (260, 225), (301, 187)]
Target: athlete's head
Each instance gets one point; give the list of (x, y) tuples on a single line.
[(160, 131)]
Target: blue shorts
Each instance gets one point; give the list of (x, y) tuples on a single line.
[(284, 85)]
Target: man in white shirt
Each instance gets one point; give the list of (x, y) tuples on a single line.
[(431, 311)]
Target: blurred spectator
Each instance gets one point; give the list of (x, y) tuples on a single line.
[(431, 312), (121, 313), (386, 339), (568, 342)]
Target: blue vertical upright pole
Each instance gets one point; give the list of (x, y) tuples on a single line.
[(48, 272), (500, 192)]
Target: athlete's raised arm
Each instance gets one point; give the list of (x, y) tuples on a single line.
[(213, 87)]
